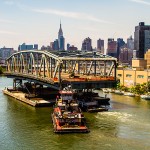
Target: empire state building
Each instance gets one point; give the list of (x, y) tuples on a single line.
[(61, 39)]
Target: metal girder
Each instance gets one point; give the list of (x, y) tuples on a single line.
[(56, 66)]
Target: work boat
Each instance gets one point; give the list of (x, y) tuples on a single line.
[(67, 116)]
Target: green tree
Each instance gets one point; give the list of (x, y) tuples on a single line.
[(124, 88), (132, 89), (148, 86), (1, 70)]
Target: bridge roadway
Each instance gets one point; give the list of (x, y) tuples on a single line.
[(59, 68)]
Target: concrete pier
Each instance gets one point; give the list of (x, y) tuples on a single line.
[(35, 102)]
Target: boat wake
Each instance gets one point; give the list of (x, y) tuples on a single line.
[(121, 116)]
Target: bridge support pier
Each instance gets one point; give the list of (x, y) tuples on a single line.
[(16, 82)]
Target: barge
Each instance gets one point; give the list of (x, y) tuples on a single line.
[(67, 116), (28, 99), (91, 102)]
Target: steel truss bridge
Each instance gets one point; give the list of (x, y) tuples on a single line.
[(59, 68)]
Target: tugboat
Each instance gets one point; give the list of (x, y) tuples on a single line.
[(91, 102), (67, 116)]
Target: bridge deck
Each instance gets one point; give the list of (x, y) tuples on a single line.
[(63, 67)]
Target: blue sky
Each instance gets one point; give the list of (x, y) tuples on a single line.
[(37, 21)]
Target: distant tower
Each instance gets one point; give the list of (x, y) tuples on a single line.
[(112, 47), (142, 39), (61, 39), (100, 45), (56, 45), (120, 43), (87, 44), (130, 43)]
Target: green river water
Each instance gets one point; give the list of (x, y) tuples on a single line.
[(126, 126)]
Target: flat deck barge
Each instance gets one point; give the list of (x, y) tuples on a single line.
[(20, 96)]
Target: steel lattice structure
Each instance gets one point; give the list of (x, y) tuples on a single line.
[(62, 66)]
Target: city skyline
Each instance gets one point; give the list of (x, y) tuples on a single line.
[(38, 22)]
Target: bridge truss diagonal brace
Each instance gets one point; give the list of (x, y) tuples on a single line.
[(90, 67), (45, 64), (111, 68), (58, 69)]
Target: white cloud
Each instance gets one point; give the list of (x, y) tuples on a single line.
[(73, 15), (57, 12), (141, 2)]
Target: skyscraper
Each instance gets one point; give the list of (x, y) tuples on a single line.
[(112, 47), (87, 44), (100, 45), (130, 43), (5, 53), (125, 55), (61, 39), (120, 43), (142, 39), (56, 45)]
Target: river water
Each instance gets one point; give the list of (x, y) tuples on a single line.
[(126, 126)]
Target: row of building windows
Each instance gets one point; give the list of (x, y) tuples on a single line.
[(129, 76)]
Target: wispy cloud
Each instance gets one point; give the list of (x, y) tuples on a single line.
[(74, 15), (7, 32), (141, 2), (88, 29)]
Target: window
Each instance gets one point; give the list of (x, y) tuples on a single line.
[(140, 76), (119, 75), (128, 75)]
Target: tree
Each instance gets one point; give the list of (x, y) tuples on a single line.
[(148, 86), (1, 70)]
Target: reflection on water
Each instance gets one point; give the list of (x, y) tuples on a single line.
[(125, 126)]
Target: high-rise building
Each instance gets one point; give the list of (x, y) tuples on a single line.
[(68, 45), (147, 40), (61, 43), (35, 46), (100, 45), (52, 45), (130, 43), (56, 45), (27, 47), (125, 55), (87, 44), (147, 58), (112, 47), (5, 53), (142, 39), (61, 39), (120, 43)]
